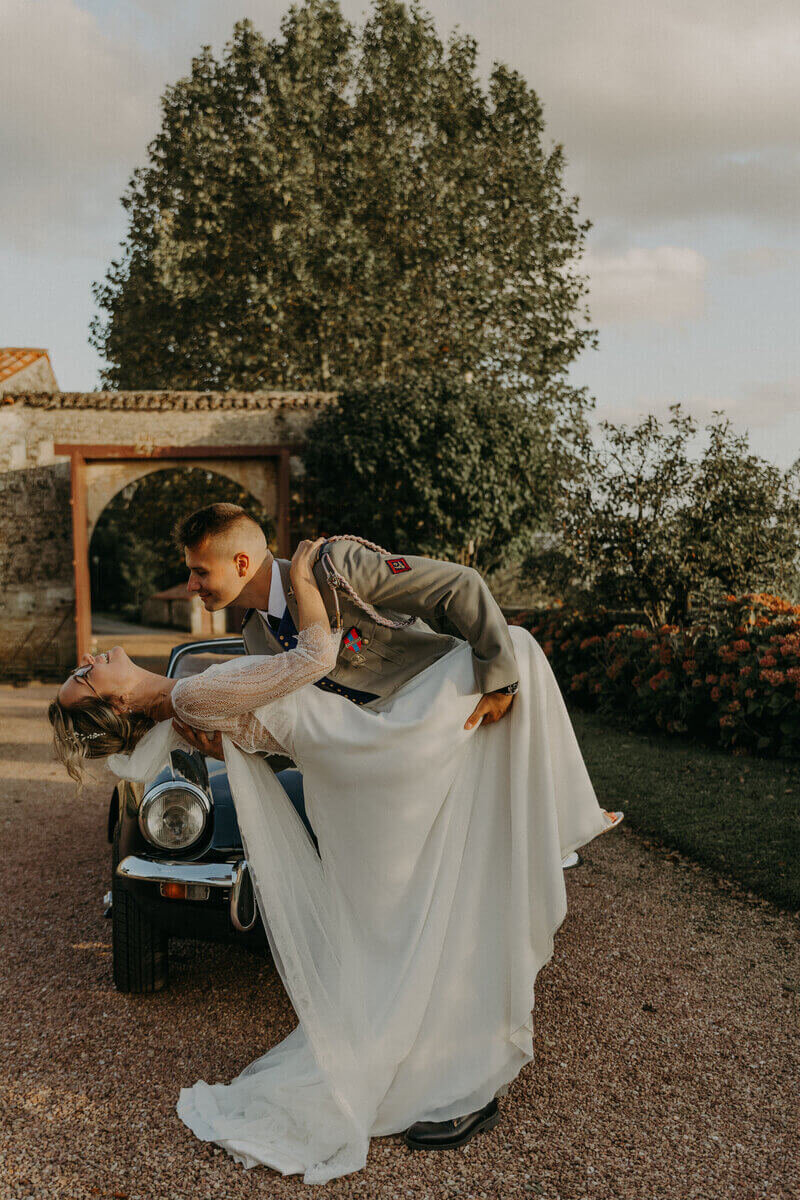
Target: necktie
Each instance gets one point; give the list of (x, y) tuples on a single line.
[(274, 622)]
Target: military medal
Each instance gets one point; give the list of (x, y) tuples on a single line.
[(352, 639), (352, 643)]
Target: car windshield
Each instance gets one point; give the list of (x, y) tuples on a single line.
[(192, 662)]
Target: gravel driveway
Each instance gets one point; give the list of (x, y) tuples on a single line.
[(666, 1051)]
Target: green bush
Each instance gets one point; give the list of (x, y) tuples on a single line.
[(731, 679), (439, 466)]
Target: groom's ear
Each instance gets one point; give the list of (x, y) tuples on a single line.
[(242, 562)]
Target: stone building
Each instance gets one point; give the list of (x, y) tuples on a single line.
[(175, 608), (24, 369), (64, 455)]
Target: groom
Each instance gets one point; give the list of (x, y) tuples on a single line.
[(229, 563)]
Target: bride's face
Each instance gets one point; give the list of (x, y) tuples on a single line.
[(110, 677)]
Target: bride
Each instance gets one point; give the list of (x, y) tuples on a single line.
[(410, 944)]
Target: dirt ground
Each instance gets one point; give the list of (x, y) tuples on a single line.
[(666, 1051)]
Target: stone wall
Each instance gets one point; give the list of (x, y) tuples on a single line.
[(37, 629), (37, 595), (31, 423)]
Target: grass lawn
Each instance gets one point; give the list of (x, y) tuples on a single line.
[(740, 816)]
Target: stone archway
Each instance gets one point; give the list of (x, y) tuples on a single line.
[(105, 478), (97, 472), (51, 471)]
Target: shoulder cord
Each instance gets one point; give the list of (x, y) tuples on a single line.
[(338, 584)]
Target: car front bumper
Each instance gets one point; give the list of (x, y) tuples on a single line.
[(230, 875)]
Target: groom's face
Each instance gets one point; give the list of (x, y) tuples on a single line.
[(216, 574)]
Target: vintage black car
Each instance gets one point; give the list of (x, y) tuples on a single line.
[(177, 864)]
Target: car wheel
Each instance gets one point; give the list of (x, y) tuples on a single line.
[(139, 949)]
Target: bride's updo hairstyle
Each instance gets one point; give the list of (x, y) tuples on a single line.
[(93, 729)]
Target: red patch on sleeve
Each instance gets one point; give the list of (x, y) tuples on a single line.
[(397, 565)]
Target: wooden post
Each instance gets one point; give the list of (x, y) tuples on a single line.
[(80, 555)]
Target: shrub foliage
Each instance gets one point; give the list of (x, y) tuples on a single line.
[(645, 524), (438, 466), (732, 679)]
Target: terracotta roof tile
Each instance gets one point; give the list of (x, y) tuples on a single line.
[(14, 358)]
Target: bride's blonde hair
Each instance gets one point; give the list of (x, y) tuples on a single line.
[(93, 729)]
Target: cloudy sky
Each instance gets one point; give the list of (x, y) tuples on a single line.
[(682, 135)]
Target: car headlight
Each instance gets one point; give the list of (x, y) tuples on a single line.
[(174, 814)]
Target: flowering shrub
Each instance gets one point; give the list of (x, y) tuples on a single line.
[(732, 678)]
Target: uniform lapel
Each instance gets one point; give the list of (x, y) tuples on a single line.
[(258, 637)]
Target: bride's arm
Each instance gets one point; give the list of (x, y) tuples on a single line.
[(223, 698), (234, 688)]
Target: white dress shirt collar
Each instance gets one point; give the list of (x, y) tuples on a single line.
[(277, 596)]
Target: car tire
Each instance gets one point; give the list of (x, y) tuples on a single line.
[(139, 949)]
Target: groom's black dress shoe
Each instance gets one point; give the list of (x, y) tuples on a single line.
[(445, 1135)]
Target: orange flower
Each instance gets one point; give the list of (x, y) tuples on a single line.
[(749, 692), (712, 678), (741, 647), (715, 693), (657, 679)]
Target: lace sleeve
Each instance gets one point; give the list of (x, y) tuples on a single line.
[(224, 696)]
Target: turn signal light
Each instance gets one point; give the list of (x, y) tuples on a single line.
[(174, 891), (184, 891)]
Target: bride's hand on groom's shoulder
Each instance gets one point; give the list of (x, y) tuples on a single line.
[(302, 565), (207, 743)]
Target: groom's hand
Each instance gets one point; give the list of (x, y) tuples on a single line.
[(491, 707), (209, 744)]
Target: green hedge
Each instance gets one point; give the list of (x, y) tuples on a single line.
[(732, 679)]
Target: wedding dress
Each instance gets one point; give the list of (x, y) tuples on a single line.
[(410, 945)]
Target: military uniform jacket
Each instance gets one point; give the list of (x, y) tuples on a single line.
[(378, 659)]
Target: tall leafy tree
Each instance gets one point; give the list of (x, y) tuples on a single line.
[(436, 466), (340, 204)]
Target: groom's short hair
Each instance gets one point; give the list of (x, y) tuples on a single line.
[(210, 521)]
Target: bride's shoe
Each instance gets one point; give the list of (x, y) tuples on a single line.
[(615, 818)]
